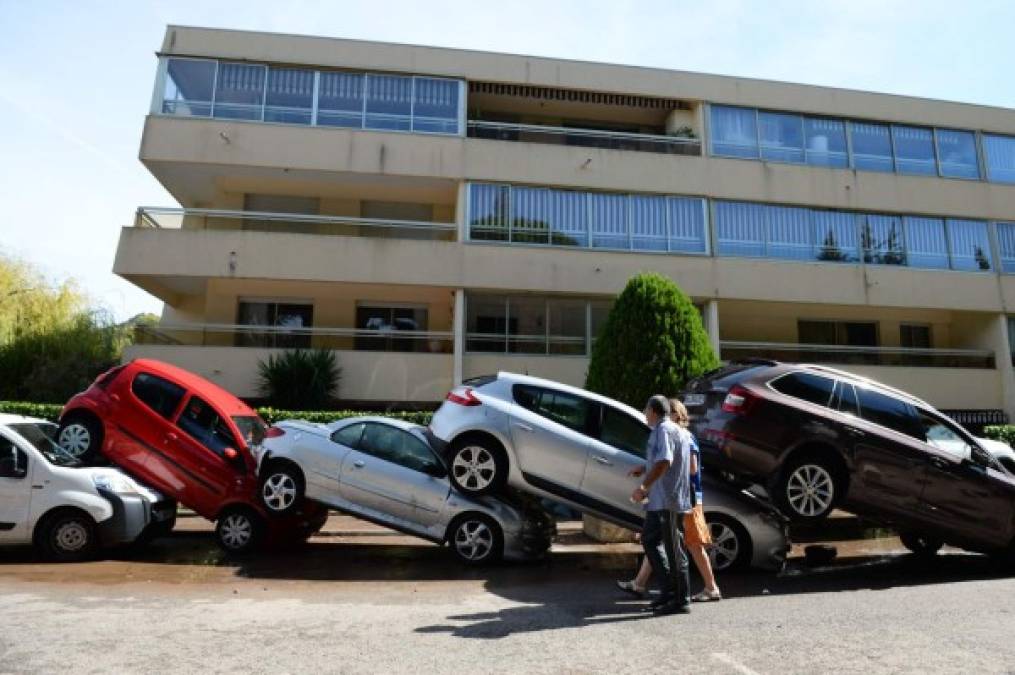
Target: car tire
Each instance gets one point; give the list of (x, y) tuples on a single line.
[(920, 545), (80, 436), (808, 488), (239, 530), (282, 487), (476, 540), (68, 536), (478, 466), (732, 547)]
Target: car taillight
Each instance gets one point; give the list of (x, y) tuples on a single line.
[(738, 401), (463, 397), (274, 432)]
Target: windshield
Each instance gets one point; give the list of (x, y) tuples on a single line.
[(252, 429), (42, 436)]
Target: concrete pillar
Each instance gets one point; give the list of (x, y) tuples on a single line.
[(1002, 357), (458, 329), (461, 211), (711, 320)]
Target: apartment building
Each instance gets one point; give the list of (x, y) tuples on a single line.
[(434, 214)]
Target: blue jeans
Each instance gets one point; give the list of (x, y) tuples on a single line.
[(663, 539)]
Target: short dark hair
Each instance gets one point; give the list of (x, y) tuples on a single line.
[(659, 404)]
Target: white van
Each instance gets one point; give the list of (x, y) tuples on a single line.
[(67, 510)]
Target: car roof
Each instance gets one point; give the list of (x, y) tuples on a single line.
[(209, 391), (540, 382), (8, 418), (868, 383)]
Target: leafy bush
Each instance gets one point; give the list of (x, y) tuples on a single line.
[(1004, 433), (46, 411), (300, 379), (653, 342)]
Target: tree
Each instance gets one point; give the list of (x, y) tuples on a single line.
[(830, 249), (653, 342)]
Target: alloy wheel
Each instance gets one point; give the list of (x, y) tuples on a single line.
[(725, 546), (474, 467), (810, 490), (236, 531), (473, 540), (279, 491), (75, 438), (71, 536)]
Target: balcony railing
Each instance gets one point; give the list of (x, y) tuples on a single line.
[(588, 138), (214, 219), (861, 356), (285, 337)]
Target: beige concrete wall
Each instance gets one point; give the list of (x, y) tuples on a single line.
[(475, 65), (366, 376)]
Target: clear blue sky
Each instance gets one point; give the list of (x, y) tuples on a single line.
[(76, 80)]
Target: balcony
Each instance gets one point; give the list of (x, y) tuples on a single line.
[(860, 356), (290, 223), (589, 138)]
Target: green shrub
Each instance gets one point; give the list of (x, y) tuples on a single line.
[(300, 379), (46, 411), (1004, 433), (653, 342)]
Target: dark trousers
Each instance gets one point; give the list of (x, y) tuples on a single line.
[(663, 539)]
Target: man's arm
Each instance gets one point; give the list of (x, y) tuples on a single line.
[(694, 464)]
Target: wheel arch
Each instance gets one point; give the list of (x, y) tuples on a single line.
[(465, 515), (52, 513), (486, 434), (818, 448)]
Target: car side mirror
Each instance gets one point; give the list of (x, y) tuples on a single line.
[(980, 456)]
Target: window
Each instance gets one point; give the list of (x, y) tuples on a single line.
[(529, 223), (567, 218), (566, 409), (599, 311), (340, 100), (734, 132), (782, 137), (881, 240), (435, 106), (872, 146), (623, 432), (687, 225), (390, 320), (835, 236), (789, 233), (806, 387), (970, 245), (914, 150), (389, 102), (486, 323), (609, 220), (190, 87), (239, 91), (926, 245), (740, 228), (914, 336), (489, 212), (648, 223), (527, 327), (287, 318), (999, 157), (158, 394), (957, 153), (348, 436), (13, 460), (845, 399), (567, 321), (290, 96), (889, 412), (848, 333), (943, 437), (396, 446), (1006, 246), (826, 142), (200, 421)]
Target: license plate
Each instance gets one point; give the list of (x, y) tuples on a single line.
[(694, 399)]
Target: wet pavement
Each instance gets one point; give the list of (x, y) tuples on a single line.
[(362, 599)]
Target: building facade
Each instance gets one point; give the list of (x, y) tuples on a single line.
[(434, 214)]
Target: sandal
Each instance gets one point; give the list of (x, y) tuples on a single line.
[(707, 596), (630, 587)]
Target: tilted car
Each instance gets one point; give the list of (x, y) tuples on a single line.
[(576, 447), (819, 438), (66, 510), (186, 437), (385, 471)]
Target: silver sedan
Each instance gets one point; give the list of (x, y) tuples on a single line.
[(385, 471)]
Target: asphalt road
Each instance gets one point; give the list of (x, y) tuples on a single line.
[(367, 601)]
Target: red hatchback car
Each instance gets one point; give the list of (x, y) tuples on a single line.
[(186, 437)]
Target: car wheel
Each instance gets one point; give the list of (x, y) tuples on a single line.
[(80, 437), (68, 536), (808, 489), (476, 539), (478, 467), (731, 547), (239, 531), (282, 488), (920, 545)]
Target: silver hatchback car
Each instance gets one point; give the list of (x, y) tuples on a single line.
[(573, 446), (385, 471)]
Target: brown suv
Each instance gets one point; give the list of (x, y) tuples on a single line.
[(818, 438)]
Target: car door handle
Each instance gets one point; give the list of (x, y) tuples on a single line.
[(524, 427), (172, 437), (603, 460), (854, 432), (359, 464), (939, 463)]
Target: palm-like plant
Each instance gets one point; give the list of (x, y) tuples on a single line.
[(300, 379)]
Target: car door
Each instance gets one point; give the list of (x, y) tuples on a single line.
[(963, 496), (887, 454), (550, 432), (324, 458), (618, 446), (15, 492), (142, 420), (385, 476)]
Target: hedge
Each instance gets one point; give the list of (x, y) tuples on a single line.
[(51, 411), (1004, 433)]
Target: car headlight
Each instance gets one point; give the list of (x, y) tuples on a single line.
[(114, 483)]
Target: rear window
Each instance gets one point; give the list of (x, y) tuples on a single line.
[(349, 436), (805, 386), (157, 393), (889, 412)]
